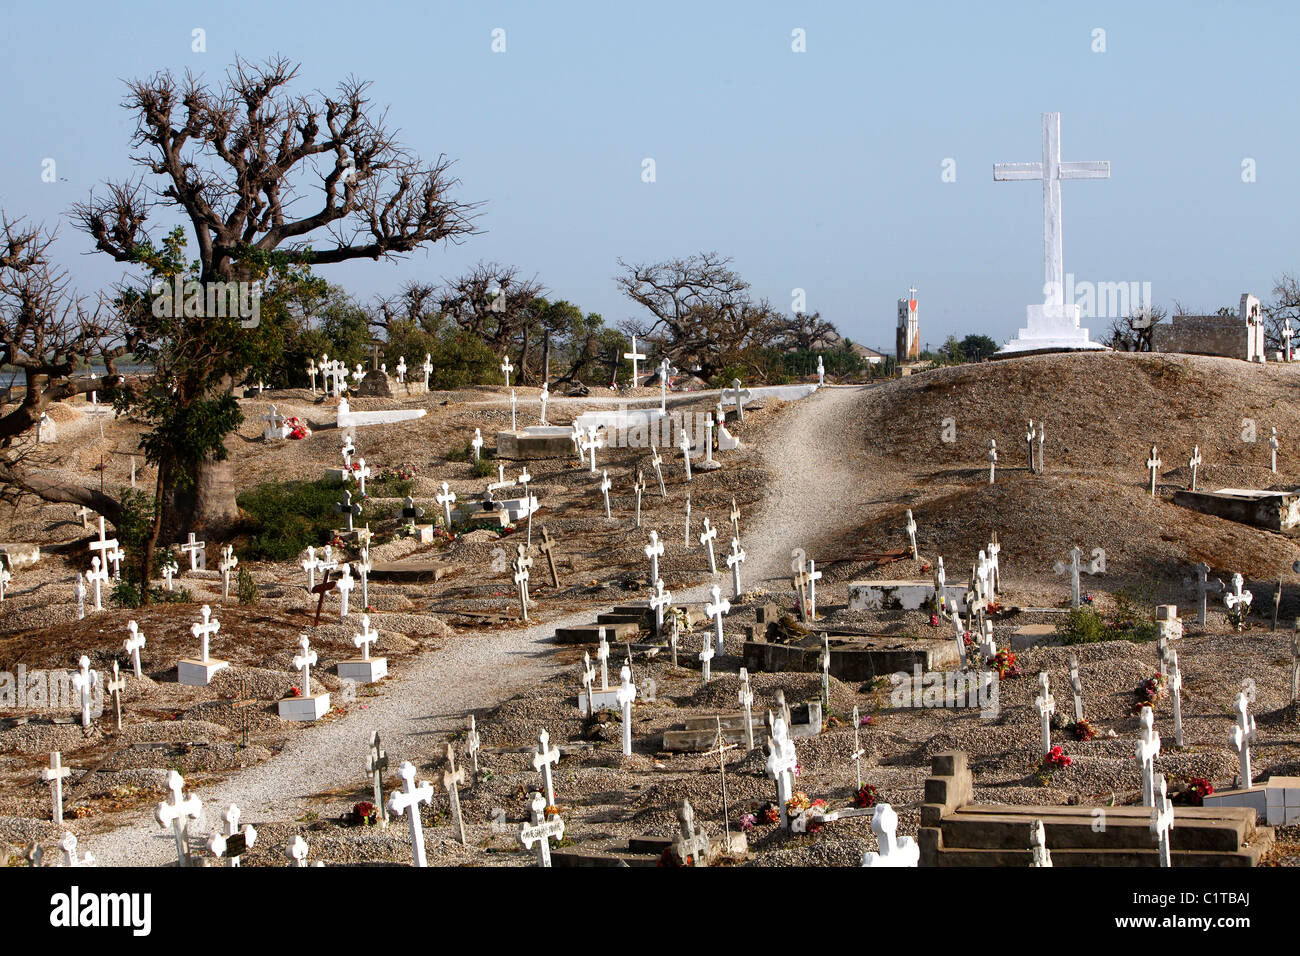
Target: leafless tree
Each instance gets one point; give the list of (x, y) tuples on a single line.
[(1133, 332), (496, 303), (1284, 308), (48, 334)]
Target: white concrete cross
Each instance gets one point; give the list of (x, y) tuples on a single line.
[(685, 445), (738, 395), (514, 410), (1175, 680), (602, 655), (427, 368), (274, 424), (364, 568), (346, 451), (1202, 588), (746, 698), (636, 357), (1042, 856), (69, 847), (1029, 440), (367, 637), (1194, 463), (1240, 739), (218, 842), (178, 814), (653, 550), (780, 765), (543, 398), (657, 462), (735, 559), (311, 374), (911, 534), (638, 487), (734, 517), (708, 464), (477, 444), (472, 742), (79, 592), (54, 775), (446, 498), (1076, 554), (663, 387), (198, 552), (590, 442), (304, 661), (205, 630), (133, 644), (588, 677), (84, 683), (83, 513), (894, 850), (716, 608), (346, 508), (1162, 820), (227, 564), (344, 586), (940, 579), (813, 576), (116, 555), (541, 831), (452, 778), (104, 545), (544, 757), (1287, 334), (1045, 704), (689, 844), (1076, 687), (826, 670), (1237, 597), (297, 849), (506, 369), (993, 459), (408, 800), (858, 752), (605, 485), (169, 569), (401, 370), (659, 601), (626, 695), (706, 655), (1272, 450), (1052, 171), (1153, 465), (706, 539), (359, 473), (1148, 748), (520, 566)]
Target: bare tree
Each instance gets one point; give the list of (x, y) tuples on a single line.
[(1133, 332), (264, 177), (48, 334), (497, 304), (1284, 309), (808, 331)]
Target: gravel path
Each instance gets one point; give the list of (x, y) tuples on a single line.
[(815, 492)]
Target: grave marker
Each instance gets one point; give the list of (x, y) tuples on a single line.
[(1148, 748), (408, 800), (133, 645), (706, 655), (746, 697), (540, 831), (115, 686), (716, 608), (894, 850), (452, 778), (1153, 465), (1194, 463), (626, 695), (911, 534), (178, 814), (376, 764), (1176, 690), (54, 775), (689, 845), (1162, 820), (198, 672), (1038, 844), (1240, 739), (198, 552), (780, 766), (734, 560), (1076, 686), (1045, 704), (544, 757)]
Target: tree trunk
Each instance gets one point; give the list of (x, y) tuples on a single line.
[(208, 507)]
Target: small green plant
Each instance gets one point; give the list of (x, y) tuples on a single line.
[(126, 594), (246, 588), (1082, 625), (482, 467)]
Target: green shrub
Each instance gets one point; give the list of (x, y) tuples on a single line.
[(284, 518), (1083, 625), (246, 588)]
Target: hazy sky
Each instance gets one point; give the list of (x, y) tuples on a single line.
[(819, 170)]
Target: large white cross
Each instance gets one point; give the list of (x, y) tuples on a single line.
[(706, 538), (198, 551), (780, 766), (1148, 748), (715, 609), (205, 630), (545, 756), (1241, 737), (177, 815), (652, 551), (367, 637), (408, 800), (734, 561), (507, 368), (1046, 706), (84, 683), (1162, 820), (739, 396), (894, 850), (1051, 171), (636, 357), (626, 694), (605, 485), (540, 830), (54, 774), (746, 699), (658, 602), (303, 661)]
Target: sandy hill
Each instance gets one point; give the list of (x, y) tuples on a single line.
[(1102, 414)]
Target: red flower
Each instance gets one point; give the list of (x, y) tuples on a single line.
[(1057, 758)]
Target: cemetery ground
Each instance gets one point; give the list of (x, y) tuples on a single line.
[(833, 475)]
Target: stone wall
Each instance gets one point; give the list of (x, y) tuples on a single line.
[(1203, 335)]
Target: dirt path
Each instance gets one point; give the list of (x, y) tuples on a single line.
[(816, 492)]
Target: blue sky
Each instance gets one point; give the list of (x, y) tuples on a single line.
[(818, 170)]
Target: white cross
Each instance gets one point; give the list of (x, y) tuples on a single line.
[(447, 498), (780, 766), (813, 577), (408, 800), (198, 553), (1029, 438), (590, 443), (588, 682), (1202, 588), (344, 586), (706, 655), (739, 396), (1052, 171), (54, 774), (116, 555), (894, 850), (346, 451), (177, 815), (663, 387), (360, 473), (311, 374), (452, 778), (1046, 705), (427, 367), (79, 591), (658, 602), (656, 462), (911, 533), (540, 831), (746, 699), (1237, 597), (347, 508), (1076, 687), (685, 445), (1240, 739), (217, 842), (715, 609), (821, 372), (472, 742), (104, 545), (1148, 748), (545, 756), (602, 655), (227, 564), (1162, 820), (514, 407), (706, 538), (401, 370), (1153, 464), (652, 551), (993, 459), (626, 694), (477, 444), (1038, 844), (605, 485), (1194, 463), (84, 683), (734, 561), (205, 630), (544, 397), (636, 357), (367, 637), (688, 519), (296, 850), (858, 752), (507, 368), (169, 569), (1272, 448), (1176, 691), (5, 578)]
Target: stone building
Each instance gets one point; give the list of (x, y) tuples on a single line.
[(1240, 336)]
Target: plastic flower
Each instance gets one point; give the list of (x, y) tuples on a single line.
[(866, 797), (747, 822), (1056, 757)]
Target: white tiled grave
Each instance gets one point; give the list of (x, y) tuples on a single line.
[(194, 673), (312, 707)]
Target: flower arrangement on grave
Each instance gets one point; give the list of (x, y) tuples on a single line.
[(1237, 614), (1087, 598), (866, 797), (294, 692), (1004, 662), (365, 814), (747, 822), (993, 608), (798, 802), (1056, 758), (1149, 691), (400, 473), (866, 720), (1084, 730), (934, 620), (771, 813), (297, 428), (1194, 792)]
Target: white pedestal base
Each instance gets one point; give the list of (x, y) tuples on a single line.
[(603, 699), (365, 672), (305, 708), (194, 673), (1051, 327)]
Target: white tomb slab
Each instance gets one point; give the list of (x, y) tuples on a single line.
[(350, 419), (901, 595)]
